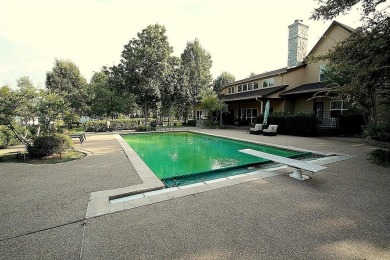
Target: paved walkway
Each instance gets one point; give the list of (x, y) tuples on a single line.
[(342, 213)]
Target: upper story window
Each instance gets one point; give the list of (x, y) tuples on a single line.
[(230, 90), (247, 86), (322, 72), (268, 82)]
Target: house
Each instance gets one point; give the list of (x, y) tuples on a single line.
[(291, 88)]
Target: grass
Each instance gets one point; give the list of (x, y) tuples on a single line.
[(380, 157), (69, 155)]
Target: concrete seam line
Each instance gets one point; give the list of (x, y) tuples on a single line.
[(40, 230), (82, 240)]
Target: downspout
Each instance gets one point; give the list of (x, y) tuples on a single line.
[(261, 106)]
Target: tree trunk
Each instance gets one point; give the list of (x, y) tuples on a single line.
[(146, 114), (18, 136)]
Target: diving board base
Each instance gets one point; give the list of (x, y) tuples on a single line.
[(297, 174)]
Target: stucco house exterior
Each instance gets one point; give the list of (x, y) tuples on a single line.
[(291, 88)]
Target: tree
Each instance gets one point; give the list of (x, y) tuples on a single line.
[(169, 87), (28, 102), (28, 111), (143, 65), (65, 79), (197, 64), (12, 104), (108, 95), (51, 108), (211, 102), (359, 67), (252, 74), (332, 8), (222, 80)]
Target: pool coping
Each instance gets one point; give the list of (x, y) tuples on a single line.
[(151, 190)]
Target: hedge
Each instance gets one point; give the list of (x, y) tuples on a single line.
[(350, 124), (115, 124), (300, 124)]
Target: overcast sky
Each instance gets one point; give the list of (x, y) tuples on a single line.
[(242, 36)]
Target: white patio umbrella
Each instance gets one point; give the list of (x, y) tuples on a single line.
[(266, 113)]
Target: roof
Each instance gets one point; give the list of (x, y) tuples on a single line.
[(258, 76), (264, 92), (305, 88), (331, 26)]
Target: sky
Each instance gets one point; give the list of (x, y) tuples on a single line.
[(242, 36)]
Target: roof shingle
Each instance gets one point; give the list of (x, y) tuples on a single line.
[(264, 92), (305, 88)]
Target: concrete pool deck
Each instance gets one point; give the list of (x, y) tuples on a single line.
[(341, 213)]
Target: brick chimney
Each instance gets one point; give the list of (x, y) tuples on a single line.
[(297, 43)]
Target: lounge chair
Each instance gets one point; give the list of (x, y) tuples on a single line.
[(271, 130), (256, 130)]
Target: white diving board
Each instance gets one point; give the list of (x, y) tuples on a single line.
[(296, 164)]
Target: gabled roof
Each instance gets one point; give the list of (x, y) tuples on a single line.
[(331, 26), (305, 88), (260, 93), (258, 76)]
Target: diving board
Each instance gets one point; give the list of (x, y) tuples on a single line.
[(296, 164)]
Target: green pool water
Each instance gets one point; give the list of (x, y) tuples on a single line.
[(181, 154)]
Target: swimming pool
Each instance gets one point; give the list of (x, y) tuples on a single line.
[(174, 156)]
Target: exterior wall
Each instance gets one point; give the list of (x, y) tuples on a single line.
[(336, 34), (277, 105), (289, 105), (302, 104), (294, 78)]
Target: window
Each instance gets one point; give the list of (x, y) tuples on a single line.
[(245, 87), (336, 108), (198, 114), (268, 82), (255, 85), (322, 72), (231, 90), (248, 114), (239, 88), (250, 86)]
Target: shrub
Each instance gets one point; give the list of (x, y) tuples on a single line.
[(300, 124), (190, 123), (115, 124), (379, 133), (48, 145), (141, 128), (7, 137), (350, 124), (380, 157)]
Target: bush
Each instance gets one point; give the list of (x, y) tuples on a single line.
[(115, 124), (48, 145), (190, 123), (380, 157), (141, 128), (379, 133), (300, 124), (7, 137), (350, 124)]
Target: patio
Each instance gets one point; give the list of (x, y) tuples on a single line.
[(341, 213)]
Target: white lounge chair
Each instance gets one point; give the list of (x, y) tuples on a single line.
[(256, 130), (271, 130)]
